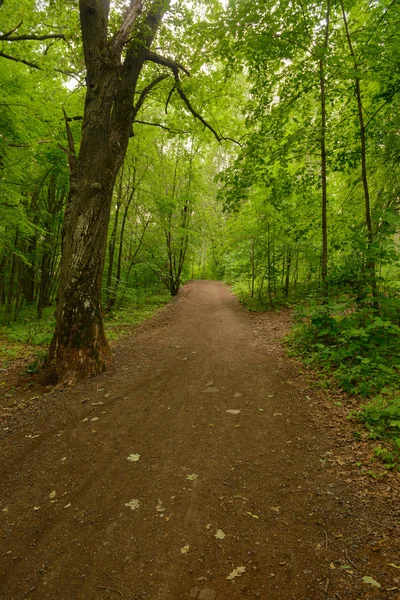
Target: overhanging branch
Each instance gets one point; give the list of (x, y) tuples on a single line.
[(20, 60), (190, 107), (174, 131), (7, 37), (165, 62)]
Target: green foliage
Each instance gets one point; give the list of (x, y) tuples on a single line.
[(356, 344), (382, 418)]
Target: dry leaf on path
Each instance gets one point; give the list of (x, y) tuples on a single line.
[(52, 494), (185, 549), (133, 504), (133, 457), (251, 514), (192, 477), (371, 581), (236, 572), (220, 535), (233, 411)]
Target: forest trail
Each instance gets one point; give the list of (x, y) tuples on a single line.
[(199, 467)]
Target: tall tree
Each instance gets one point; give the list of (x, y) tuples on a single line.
[(113, 66)]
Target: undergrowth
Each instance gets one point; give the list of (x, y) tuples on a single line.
[(358, 347)]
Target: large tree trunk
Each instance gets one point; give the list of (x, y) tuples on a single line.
[(79, 347)]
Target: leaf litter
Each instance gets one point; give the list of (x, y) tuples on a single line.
[(233, 411)]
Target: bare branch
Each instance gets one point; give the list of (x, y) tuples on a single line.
[(166, 62), (175, 131), (190, 107), (12, 30), (146, 91), (18, 38), (122, 35), (168, 100), (20, 60)]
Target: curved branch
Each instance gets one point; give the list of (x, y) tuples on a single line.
[(12, 30), (20, 60), (168, 99), (165, 62), (190, 107), (146, 91)]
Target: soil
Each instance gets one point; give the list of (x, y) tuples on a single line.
[(204, 465)]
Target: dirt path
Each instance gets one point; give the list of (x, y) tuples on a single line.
[(232, 472)]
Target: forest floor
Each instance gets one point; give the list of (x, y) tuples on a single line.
[(204, 465)]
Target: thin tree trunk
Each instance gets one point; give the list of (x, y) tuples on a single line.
[(323, 152), (269, 265), (371, 267)]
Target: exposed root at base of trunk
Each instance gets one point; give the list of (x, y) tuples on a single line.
[(69, 365)]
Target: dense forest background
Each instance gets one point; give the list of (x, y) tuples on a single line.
[(272, 164)]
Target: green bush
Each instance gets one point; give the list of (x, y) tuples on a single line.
[(359, 346)]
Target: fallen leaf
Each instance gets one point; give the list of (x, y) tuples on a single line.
[(237, 395), (95, 419), (251, 514), (233, 411), (220, 535), (236, 572), (185, 549), (393, 565), (371, 581), (52, 494), (160, 507), (208, 526), (133, 504), (133, 457), (36, 507), (192, 477)]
